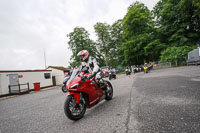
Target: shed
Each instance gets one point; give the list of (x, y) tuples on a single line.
[(58, 74), (19, 77)]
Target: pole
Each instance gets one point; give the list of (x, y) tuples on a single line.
[(45, 59)]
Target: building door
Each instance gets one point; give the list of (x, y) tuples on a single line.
[(54, 80), (14, 81)]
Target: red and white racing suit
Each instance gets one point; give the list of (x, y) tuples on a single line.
[(93, 67)]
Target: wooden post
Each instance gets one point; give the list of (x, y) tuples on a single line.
[(28, 86), (9, 89), (19, 88)]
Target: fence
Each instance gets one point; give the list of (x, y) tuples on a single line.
[(18, 89)]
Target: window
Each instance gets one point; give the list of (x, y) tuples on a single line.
[(47, 75)]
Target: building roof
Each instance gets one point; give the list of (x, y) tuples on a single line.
[(9, 71), (60, 68)]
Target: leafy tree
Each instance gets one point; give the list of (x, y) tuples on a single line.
[(137, 34), (103, 41), (175, 54), (178, 21), (153, 49), (79, 40), (115, 53), (109, 42)]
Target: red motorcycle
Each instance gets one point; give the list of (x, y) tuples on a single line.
[(84, 93)]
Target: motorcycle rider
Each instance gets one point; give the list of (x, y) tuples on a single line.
[(92, 65), (112, 73), (128, 71), (146, 69)]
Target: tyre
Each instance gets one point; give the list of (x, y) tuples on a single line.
[(72, 110), (109, 91), (64, 89), (110, 77)]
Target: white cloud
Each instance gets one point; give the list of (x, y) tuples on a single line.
[(27, 27)]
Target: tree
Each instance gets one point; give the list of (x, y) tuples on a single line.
[(153, 49), (79, 40), (178, 21), (115, 53), (103, 41), (137, 34), (109, 42)]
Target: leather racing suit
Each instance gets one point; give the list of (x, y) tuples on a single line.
[(93, 67)]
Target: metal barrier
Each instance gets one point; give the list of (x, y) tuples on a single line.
[(19, 90)]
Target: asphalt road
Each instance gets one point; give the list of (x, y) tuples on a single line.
[(166, 100)]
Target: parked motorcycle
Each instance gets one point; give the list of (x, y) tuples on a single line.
[(84, 93), (64, 88)]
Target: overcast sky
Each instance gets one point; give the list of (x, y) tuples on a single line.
[(30, 27)]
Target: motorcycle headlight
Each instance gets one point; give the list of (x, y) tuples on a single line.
[(74, 86)]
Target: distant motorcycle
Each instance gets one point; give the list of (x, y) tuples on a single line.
[(145, 69), (134, 70), (128, 72), (112, 74)]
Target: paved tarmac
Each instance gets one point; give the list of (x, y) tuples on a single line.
[(164, 100)]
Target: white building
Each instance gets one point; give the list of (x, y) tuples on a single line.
[(44, 77), (58, 74)]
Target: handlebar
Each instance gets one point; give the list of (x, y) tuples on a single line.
[(84, 78)]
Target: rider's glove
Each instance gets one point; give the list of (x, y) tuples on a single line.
[(90, 76)]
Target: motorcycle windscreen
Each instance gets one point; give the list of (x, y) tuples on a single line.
[(75, 73)]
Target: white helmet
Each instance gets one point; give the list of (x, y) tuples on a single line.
[(84, 55)]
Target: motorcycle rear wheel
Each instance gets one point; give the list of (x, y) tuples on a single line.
[(72, 110)]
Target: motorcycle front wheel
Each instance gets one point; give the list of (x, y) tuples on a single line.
[(64, 89), (73, 110), (109, 91)]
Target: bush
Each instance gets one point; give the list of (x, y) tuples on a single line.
[(175, 54)]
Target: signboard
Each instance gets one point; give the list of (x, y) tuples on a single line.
[(20, 76)]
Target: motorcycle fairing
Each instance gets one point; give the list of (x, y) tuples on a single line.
[(92, 90), (88, 87)]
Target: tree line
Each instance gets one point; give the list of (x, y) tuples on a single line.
[(167, 33)]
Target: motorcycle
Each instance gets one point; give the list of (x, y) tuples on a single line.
[(128, 72), (64, 88), (112, 74), (145, 69), (84, 93)]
